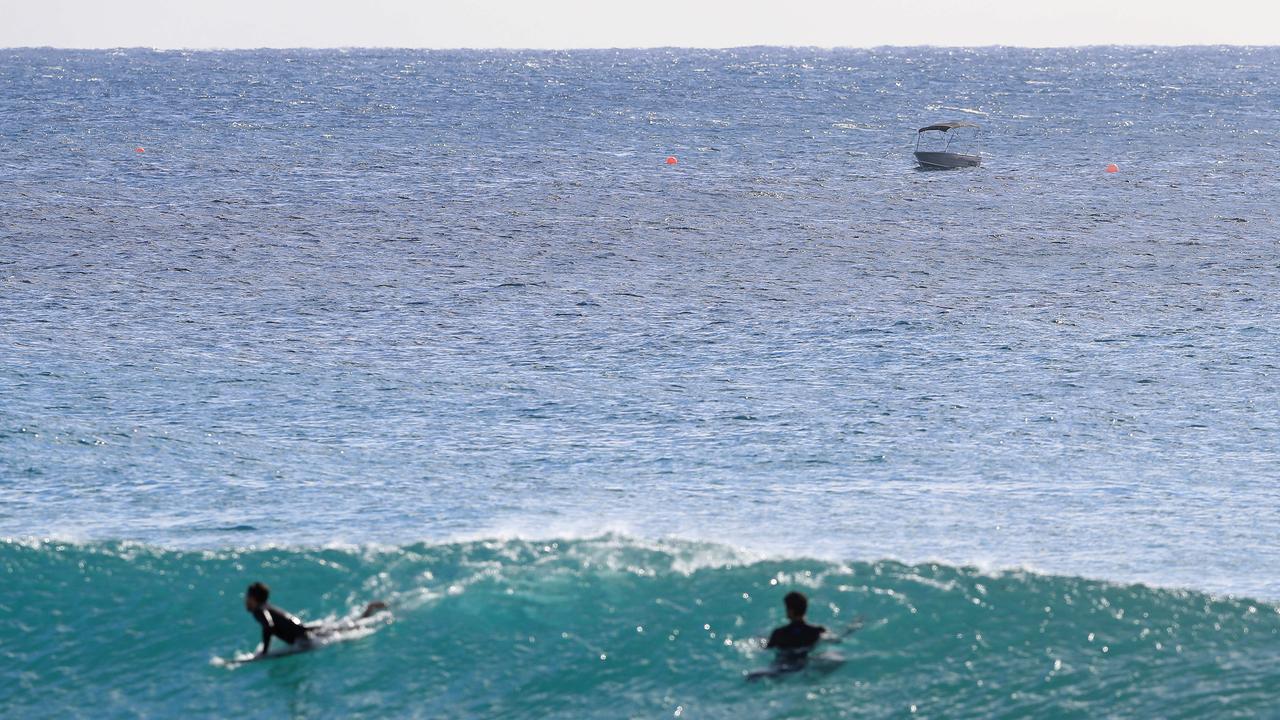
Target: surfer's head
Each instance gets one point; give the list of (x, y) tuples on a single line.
[(256, 596), (797, 605)]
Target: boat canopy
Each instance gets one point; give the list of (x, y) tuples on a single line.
[(944, 127)]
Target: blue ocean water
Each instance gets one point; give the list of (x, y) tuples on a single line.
[(444, 327)]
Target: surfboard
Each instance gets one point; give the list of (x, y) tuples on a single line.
[(321, 633), (775, 670), (245, 658), (821, 662)]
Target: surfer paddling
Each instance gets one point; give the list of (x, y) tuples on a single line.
[(282, 624), (796, 638)]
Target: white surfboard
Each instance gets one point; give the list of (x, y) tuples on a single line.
[(322, 633)]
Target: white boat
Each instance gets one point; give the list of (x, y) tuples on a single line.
[(959, 146)]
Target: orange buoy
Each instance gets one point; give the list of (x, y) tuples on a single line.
[(671, 160), (1113, 168)]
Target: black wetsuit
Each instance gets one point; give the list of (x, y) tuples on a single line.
[(795, 640), (275, 621)]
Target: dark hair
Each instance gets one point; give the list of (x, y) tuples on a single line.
[(258, 592), (797, 604)]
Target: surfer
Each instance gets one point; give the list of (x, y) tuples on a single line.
[(795, 639), (273, 620), (282, 624)]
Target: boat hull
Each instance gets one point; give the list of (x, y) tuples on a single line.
[(947, 160)]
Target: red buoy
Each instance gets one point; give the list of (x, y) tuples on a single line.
[(1113, 168), (139, 149), (671, 160)]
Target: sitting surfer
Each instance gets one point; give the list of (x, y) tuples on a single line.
[(282, 624), (794, 640)]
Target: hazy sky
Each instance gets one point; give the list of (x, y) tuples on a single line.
[(630, 23)]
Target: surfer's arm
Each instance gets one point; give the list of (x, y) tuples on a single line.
[(831, 636), (264, 619)]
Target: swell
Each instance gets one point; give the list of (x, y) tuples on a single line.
[(609, 627)]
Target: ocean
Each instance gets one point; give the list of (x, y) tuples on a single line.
[(444, 328)]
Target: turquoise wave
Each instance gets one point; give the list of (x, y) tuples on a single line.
[(609, 627)]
